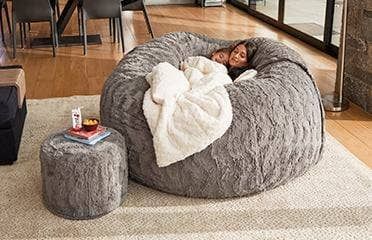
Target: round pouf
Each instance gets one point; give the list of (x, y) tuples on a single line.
[(81, 181), (276, 133)]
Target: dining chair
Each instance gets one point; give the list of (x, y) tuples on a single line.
[(131, 5), (138, 5), (55, 6), (26, 11), (100, 9), (4, 6)]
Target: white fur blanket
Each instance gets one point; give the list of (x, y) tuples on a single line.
[(186, 111)]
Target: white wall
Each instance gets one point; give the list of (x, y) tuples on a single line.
[(160, 2)]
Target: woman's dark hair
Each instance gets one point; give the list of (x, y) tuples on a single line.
[(224, 50)]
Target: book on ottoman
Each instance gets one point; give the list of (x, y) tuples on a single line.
[(87, 137), (86, 134)]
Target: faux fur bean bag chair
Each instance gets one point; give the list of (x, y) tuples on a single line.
[(276, 133)]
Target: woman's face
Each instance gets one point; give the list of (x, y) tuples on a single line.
[(238, 57)]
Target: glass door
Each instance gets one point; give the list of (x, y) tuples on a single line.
[(267, 7), (306, 16), (244, 2), (337, 20), (317, 22)]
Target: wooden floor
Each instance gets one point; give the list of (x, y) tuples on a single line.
[(71, 73)]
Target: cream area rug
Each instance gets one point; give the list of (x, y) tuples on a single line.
[(328, 202)]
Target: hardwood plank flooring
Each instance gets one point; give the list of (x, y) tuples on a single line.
[(72, 73)]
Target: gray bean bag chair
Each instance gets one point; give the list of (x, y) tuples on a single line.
[(276, 133)]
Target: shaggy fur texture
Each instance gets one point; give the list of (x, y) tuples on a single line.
[(80, 181), (276, 133)]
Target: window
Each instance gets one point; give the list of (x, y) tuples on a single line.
[(317, 22), (306, 16), (337, 20), (267, 7)]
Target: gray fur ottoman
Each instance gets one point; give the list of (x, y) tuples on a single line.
[(276, 133), (81, 181)]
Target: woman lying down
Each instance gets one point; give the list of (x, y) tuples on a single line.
[(189, 109)]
